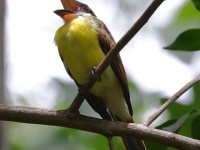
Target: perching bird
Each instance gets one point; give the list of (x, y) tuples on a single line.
[(83, 41)]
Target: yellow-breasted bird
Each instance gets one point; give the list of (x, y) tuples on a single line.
[(83, 41)]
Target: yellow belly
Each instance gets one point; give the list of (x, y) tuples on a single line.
[(79, 47)]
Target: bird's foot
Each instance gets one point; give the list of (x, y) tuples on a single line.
[(68, 113), (94, 75), (80, 90)]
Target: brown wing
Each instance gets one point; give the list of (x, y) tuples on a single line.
[(106, 42)]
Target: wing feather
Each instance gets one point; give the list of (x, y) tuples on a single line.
[(106, 42)]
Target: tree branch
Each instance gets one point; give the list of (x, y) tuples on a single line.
[(107, 128), (155, 115), (110, 143), (113, 53)]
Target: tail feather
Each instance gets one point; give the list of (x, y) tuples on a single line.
[(131, 143)]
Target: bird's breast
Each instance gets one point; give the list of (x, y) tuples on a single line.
[(79, 47)]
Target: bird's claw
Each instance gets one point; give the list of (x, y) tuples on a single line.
[(80, 91), (93, 74)]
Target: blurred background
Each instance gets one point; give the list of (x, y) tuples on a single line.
[(32, 73)]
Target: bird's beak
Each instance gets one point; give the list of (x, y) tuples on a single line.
[(62, 12), (70, 4)]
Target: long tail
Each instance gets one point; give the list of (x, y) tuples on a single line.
[(131, 143)]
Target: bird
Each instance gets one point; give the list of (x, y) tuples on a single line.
[(83, 41)]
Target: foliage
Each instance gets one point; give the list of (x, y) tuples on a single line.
[(196, 4), (187, 41), (185, 119)]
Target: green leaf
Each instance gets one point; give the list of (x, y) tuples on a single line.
[(196, 91), (187, 125), (196, 4), (195, 127), (176, 109), (187, 14), (187, 41), (155, 146), (174, 127)]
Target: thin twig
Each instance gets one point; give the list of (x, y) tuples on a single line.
[(110, 143), (117, 48), (75, 105), (155, 115), (104, 127)]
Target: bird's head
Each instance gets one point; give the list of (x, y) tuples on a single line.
[(77, 6)]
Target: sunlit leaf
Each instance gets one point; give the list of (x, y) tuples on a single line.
[(186, 41), (188, 13)]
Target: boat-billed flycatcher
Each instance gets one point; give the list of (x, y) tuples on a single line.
[(83, 41)]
